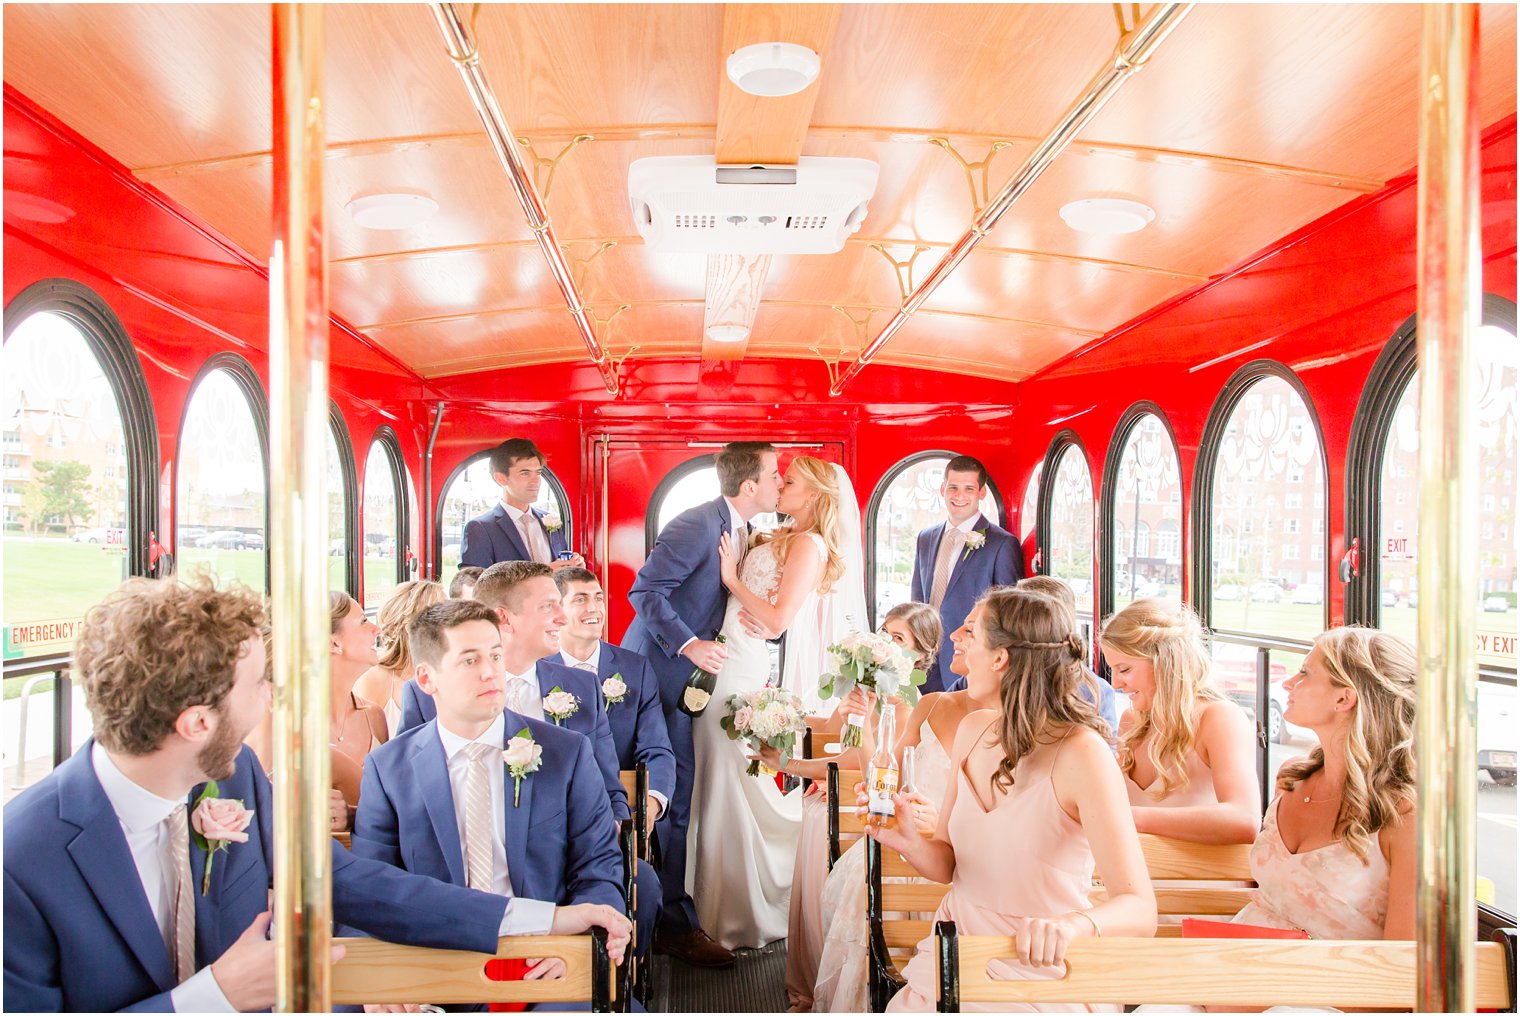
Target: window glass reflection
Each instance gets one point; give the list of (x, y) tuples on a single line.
[(1071, 525), (473, 492), (1147, 517), (221, 494)]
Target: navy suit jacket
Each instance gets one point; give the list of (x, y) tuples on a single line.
[(561, 843), (494, 537), (417, 708), (679, 595), (80, 934), (999, 562), (638, 722)]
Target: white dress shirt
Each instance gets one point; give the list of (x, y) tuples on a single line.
[(538, 543), (523, 916), (525, 698), (594, 663), (966, 529), (142, 815)]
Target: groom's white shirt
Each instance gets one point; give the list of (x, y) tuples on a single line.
[(738, 526)]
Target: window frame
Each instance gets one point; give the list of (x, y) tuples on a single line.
[(662, 490), (1109, 495), (1203, 485), (114, 351), (386, 437), (878, 494), (1065, 439), (348, 474), (247, 381), (456, 473)]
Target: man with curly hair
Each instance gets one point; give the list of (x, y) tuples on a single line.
[(115, 894)]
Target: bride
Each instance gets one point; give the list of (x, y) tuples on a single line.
[(804, 579)]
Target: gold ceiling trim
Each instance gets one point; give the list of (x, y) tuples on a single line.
[(978, 194), (903, 270), (636, 241), (707, 132), (553, 308)]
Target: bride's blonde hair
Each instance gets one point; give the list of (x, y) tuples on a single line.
[(819, 476)]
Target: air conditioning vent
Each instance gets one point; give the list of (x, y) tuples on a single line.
[(692, 205)]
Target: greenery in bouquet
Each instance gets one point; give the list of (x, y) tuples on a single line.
[(875, 662), (770, 717)]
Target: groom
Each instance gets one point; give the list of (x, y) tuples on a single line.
[(679, 602)]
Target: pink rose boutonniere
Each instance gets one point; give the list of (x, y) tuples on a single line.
[(613, 689), (560, 705), (975, 540), (217, 823), (522, 757)]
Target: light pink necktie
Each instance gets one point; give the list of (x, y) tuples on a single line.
[(479, 847), (949, 545), (183, 925)]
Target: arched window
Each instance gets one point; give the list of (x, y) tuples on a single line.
[(1266, 483), (341, 523), (66, 482), (471, 492), (1067, 517), (693, 482), (384, 517), (1029, 511), (905, 502), (221, 498), (1142, 487)]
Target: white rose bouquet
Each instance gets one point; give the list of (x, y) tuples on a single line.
[(769, 717), (874, 662)]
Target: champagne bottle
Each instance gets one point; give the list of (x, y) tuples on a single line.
[(883, 774), (699, 688)]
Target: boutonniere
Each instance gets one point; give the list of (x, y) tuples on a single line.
[(522, 757), (552, 522), (975, 540), (614, 689), (216, 824), (560, 705)]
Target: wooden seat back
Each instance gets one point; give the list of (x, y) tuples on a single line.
[(376, 972), (1196, 880), (636, 784), (633, 839), (1223, 972), (898, 915)]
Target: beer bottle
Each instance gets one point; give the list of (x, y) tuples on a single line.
[(882, 774), (699, 688)]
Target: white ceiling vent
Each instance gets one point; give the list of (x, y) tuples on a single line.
[(688, 204)]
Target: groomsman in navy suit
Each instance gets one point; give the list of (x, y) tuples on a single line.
[(107, 901), (638, 718), (962, 557), (444, 800), (515, 530), (679, 602)]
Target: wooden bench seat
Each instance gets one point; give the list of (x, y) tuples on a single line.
[(1224, 972), (376, 972), (633, 839)]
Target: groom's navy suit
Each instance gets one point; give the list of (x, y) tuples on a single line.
[(678, 596), (493, 537), (561, 845), (80, 934), (998, 562)]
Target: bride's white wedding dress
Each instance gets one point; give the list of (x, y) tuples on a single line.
[(743, 832)]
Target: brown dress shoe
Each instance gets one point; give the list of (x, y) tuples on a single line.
[(694, 948)]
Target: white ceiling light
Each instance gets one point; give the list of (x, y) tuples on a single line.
[(1107, 216), (772, 69), (392, 211), (727, 333)]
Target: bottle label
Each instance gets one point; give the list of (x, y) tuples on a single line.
[(883, 786), (696, 699)]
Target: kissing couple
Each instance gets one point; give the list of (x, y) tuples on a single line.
[(729, 844)]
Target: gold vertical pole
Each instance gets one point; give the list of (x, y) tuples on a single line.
[(298, 331), (1449, 312)]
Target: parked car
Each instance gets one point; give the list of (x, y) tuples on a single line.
[(224, 539), (1266, 592), (1498, 731), (253, 541), (1229, 592), (1307, 594), (1496, 604), (1389, 598)]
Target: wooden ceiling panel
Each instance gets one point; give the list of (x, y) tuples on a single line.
[(1327, 86), (383, 291), (986, 68), (581, 65), (149, 83)]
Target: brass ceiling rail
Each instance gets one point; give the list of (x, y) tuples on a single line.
[(460, 38), (1134, 49)]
